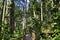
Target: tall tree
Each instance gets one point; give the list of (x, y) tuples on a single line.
[(24, 22), (12, 17), (2, 15)]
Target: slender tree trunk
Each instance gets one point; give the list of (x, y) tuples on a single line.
[(4, 8), (24, 23), (41, 18), (2, 17), (12, 17), (34, 14), (41, 11), (4, 11)]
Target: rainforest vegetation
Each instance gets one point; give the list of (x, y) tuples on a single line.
[(29, 19)]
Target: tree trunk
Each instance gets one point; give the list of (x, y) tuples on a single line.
[(41, 11), (24, 22), (33, 36), (34, 14), (41, 18), (2, 16), (12, 17), (4, 8)]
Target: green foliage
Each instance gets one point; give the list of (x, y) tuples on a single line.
[(57, 37), (51, 20)]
